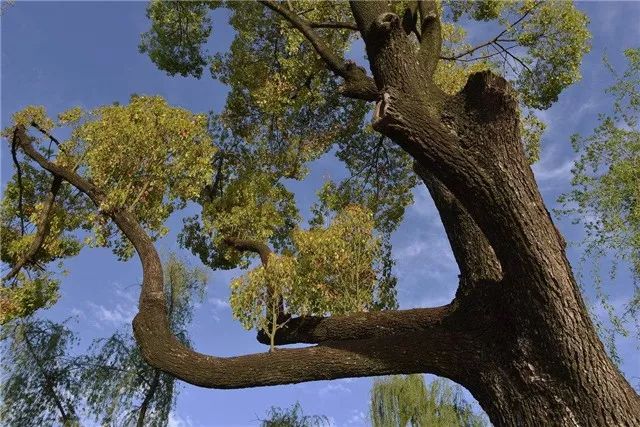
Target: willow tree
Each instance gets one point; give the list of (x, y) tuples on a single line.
[(605, 194), (517, 334), (401, 401)]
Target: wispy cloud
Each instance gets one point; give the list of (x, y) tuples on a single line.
[(357, 418), (116, 316), (333, 388), (218, 304), (176, 420), (122, 311)]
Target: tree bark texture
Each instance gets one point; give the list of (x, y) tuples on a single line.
[(517, 335)]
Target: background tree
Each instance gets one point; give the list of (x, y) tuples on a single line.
[(119, 387), (517, 297), (606, 193), (407, 400), (112, 383), (40, 384), (292, 417)]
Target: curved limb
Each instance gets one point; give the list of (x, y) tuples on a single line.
[(442, 350)]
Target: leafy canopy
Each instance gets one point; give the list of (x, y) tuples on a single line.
[(146, 157), (333, 270), (42, 383)]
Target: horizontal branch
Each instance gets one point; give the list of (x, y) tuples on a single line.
[(440, 350), (377, 324)]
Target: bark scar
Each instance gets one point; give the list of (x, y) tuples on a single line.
[(381, 109)]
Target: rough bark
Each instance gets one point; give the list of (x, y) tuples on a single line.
[(517, 335)]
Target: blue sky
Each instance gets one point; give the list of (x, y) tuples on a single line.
[(63, 54)]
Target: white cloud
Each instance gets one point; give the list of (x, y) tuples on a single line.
[(333, 388), (120, 314), (357, 418), (176, 420), (545, 171), (218, 304)]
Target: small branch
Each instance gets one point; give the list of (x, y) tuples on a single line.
[(339, 25), (49, 386), (14, 156), (359, 85), (494, 40), (42, 230), (148, 397), (525, 66), (45, 133)]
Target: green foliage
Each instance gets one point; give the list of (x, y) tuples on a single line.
[(556, 38), (146, 157), (605, 194), (292, 417), (178, 30), (254, 206), (399, 401), (381, 179), (28, 293), (20, 216), (40, 383), (531, 129), (337, 270)]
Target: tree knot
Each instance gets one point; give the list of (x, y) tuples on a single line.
[(386, 22)]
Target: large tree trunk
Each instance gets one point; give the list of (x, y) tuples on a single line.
[(541, 361)]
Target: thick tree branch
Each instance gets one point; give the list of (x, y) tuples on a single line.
[(250, 245), (473, 253), (43, 226), (442, 350), (430, 36), (377, 324), (365, 13), (357, 83)]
